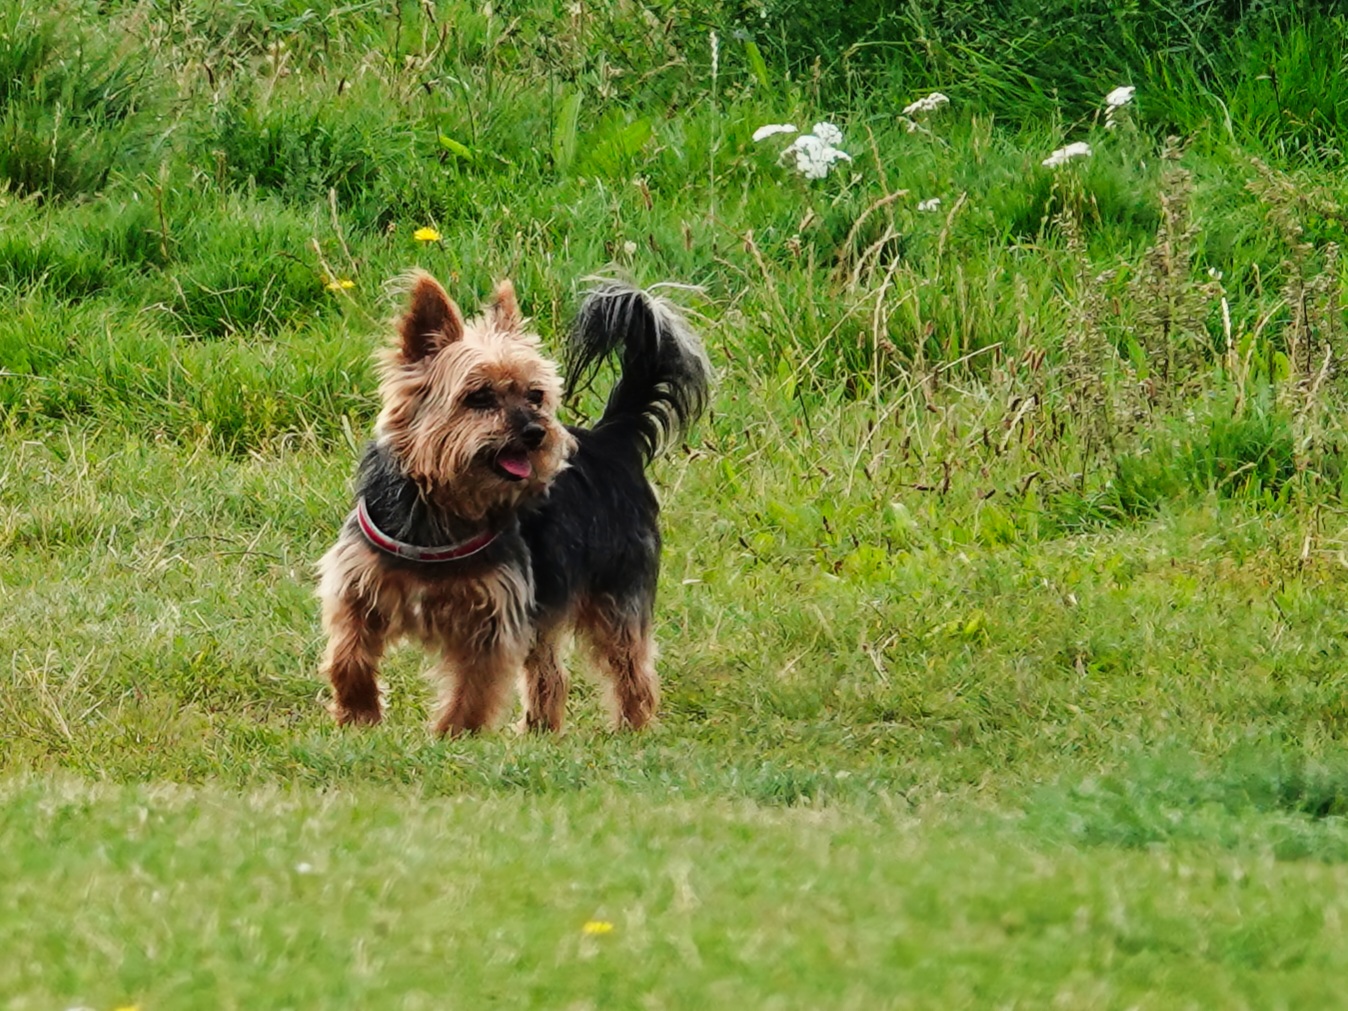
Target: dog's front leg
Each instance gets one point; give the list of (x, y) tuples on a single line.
[(477, 686), (356, 637)]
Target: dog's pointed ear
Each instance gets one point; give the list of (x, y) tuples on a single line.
[(505, 308), (432, 320)]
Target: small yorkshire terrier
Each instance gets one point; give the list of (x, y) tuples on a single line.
[(488, 530)]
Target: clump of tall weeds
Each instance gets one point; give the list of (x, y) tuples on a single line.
[(1170, 306), (1311, 368), (1163, 400)]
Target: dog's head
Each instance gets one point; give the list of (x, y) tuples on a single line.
[(470, 407)]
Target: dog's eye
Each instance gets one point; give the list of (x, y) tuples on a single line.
[(483, 399), (535, 397)]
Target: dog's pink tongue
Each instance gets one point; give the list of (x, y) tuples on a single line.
[(516, 464)]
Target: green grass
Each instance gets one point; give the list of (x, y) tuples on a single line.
[(915, 778), (390, 899), (1002, 610)]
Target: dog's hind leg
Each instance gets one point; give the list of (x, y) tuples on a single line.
[(624, 651), (545, 682)]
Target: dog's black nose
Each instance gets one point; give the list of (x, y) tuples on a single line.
[(533, 434)]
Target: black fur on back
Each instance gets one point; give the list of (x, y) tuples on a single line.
[(664, 376)]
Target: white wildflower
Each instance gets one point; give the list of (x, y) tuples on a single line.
[(814, 156), (1120, 96), (934, 204), (763, 132), (1115, 102), (931, 103), (1065, 154), (828, 133), (304, 867), (814, 153), (1214, 273)]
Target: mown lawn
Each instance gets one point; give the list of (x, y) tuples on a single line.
[(1102, 771), (186, 897)]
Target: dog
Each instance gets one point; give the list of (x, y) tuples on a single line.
[(489, 531)]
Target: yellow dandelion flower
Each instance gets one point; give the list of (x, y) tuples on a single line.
[(129, 1007), (426, 235), (340, 284), (597, 927)]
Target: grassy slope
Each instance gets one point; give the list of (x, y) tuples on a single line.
[(957, 713)]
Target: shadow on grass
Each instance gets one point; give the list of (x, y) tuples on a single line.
[(1267, 798)]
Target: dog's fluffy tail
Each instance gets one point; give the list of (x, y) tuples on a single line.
[(664, 376)]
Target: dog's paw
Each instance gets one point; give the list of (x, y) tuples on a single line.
[(362, 717), (536, 725)]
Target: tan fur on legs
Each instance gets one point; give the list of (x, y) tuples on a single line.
[(625, 652), (477, 686), (356, 636), (545, 683)]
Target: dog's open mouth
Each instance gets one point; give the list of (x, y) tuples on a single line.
[(513, 464)]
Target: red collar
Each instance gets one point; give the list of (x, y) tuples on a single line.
[(414, 552)]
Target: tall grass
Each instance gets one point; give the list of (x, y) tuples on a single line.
[(170, 239)]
